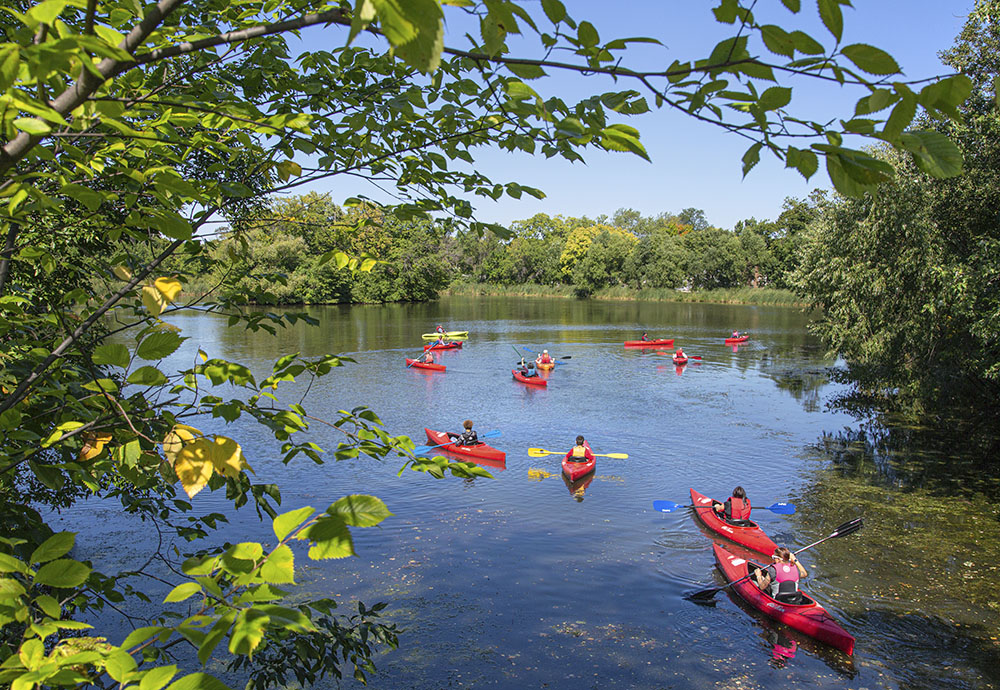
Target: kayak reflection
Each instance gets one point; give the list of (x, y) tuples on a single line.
[(577, 487)]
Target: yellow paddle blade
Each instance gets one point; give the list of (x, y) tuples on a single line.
[(539, 453), (619, 456)]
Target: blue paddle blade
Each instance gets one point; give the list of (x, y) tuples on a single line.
[(528, 349), (490, 434), (665, 506), (782, 508)]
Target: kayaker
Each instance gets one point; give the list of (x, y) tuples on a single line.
[(526, 369), (467, 437), (680, 353), (781, 579), (439, 342), (428, 357), (439, 329), (736, 334), (737, 507), (645, 337), (544, 357), (579, 452)]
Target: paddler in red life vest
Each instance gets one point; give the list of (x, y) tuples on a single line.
[(680, 353), (737, 507), (439, 329), (781, 579), (736, 334), (544, 358), (645, 337), (428, 357), (467, 438), (579, 452)]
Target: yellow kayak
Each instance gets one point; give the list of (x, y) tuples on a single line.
[(452, 335)]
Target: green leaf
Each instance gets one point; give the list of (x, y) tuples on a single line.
[(9, 564), (793, 5), (101, 386), (158, 345), (330, 538), (900, 118), (33, 125), (554, 10), (870, 59), (140, 635), (775, 97), (64, 573), (198, 681), (587, 35), (279, 568), (415, 29), (777, 40), (526, 71), (156, 678), (933, 152), (90, 198), (147, 376), (182, 592), (248, 631), (286, 523), (359, 510), (829, 12), (59, 544), (49, 606), (119, 664), (114, 354), (804, 43), (751, 158)]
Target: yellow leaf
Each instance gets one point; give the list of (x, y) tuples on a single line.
[(153, 300), (93, 444), (168, 287), (193, 465), (122, 273), (175, 439), (227, 456), (204, 357)]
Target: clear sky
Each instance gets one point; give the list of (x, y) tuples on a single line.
[(695, 164)]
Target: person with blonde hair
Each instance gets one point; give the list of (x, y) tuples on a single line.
[(780, 580)]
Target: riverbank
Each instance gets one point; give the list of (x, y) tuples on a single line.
[(750, 296)]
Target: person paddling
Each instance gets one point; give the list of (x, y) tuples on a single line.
[(736, 508), (467, 438), (439, 329), (440, 342), (645, 337), (579, 452), (526, 370), (544, 358), (428, 357), (780, 580), (680, 354), (736, 334)]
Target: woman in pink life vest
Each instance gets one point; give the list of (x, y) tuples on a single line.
[(781, 579), (737, 507)]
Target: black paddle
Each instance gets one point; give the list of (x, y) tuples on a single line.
[(706, 595), (535, 353)]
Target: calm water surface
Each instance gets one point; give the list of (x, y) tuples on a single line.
[(523, 581)]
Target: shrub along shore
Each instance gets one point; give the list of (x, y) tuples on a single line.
[(746, 295)]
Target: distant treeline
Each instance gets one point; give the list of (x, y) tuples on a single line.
[(287, 250)]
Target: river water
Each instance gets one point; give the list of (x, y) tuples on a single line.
[(524, 581)]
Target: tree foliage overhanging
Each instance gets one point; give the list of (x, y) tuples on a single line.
[(129, 130)]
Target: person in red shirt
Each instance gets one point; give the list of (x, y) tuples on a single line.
[(579, 452)]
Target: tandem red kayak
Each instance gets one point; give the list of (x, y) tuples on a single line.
[(806, 615), (747, 534), (447, 346), (650, 343), (480, 451)]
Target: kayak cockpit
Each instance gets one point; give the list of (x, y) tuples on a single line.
[(788, 599)]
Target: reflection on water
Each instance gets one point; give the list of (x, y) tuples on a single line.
[(504, 583)]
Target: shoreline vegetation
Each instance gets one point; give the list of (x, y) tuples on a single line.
[(746, 295)]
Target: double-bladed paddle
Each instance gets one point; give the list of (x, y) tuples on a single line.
[(781, 508), (539, 453), (706, 595), (420, 450), (671, 354)]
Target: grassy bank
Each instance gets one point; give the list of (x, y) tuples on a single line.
[(760, 296)]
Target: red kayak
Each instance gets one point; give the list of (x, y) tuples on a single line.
[(650, 343), (806, 615), (680, 360), (530, 380), (447, 346), (480, 451), (741, 339), (416, 364), (575, 470), (748, 535)]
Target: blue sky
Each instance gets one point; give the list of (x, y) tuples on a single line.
[(696, 164)]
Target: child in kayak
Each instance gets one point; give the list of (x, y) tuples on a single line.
[(467, 437), (737, 508), (645, 337), (579, 452), (439, 329), (544, 357), (526, 369), (780, 580), (736, 334), (680, 354), (428, 357)]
